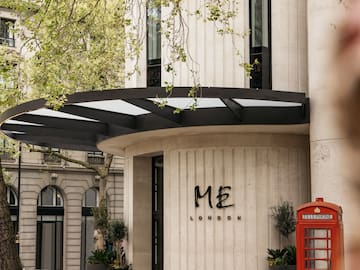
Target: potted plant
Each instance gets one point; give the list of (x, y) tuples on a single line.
[(285, 218), (285, 222), (282, 259), (100, 259), (110, 240), (117, 235)]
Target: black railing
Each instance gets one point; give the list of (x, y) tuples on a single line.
[(96, 158)]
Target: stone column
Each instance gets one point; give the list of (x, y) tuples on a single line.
[(327, 143), (74, 190)]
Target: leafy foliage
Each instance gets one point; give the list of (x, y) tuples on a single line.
[(285, 256), (117, 230), (276, 256), (290, 257), (100, 256), (285, 218), (71, 45), (101, 217)]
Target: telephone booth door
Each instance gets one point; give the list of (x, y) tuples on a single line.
[(319, 236)]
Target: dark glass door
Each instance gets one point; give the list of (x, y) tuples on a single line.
[(50, 243), (157, 214)]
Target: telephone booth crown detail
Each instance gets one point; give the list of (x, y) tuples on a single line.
[(319, 236)]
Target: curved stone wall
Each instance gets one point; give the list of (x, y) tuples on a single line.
[(257, 171)]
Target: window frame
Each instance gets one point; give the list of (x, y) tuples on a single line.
[(7, 34)]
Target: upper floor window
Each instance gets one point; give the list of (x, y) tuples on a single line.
[(260, 45), (96, 158), (259, 23), (7, 32), (153, 45)]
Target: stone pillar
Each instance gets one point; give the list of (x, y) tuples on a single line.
[(32, 183), (72, 225), (138, 186), (327, 144)]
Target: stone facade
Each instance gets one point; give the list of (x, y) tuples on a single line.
[(263, 165), (72, 181)]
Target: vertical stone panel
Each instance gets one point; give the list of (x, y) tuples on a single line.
[(262, 197), (289, 48), (250, 211), (228, 228), (239, 236)]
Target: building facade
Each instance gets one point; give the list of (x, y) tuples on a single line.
[(198, 189), (55, 224), (259, 165)]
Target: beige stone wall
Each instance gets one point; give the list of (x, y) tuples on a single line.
[(262, 170)]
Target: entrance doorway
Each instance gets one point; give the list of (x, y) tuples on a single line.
[(49, 246)]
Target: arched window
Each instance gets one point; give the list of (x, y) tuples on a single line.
[(90, 200), (50, 216), (11, 197), (12, 200)]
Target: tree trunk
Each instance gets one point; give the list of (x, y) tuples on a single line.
[(9, 258), (102, 189)]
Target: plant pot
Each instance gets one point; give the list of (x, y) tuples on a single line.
[(99, 266), (282, 267)]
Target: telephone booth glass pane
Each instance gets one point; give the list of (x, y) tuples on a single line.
[(317, 249)]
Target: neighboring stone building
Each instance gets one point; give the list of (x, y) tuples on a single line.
[(198, 186), (55, 222)]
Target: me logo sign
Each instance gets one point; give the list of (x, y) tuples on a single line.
[(221, 197)]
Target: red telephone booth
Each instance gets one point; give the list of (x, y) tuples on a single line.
[(319, 236)]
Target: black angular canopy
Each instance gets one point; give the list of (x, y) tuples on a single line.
[(88, 118)]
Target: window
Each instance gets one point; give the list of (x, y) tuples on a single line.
[(96, 158), (7, 32), (12, 200), (260, 45), (51, 158), (90, 200), (11, 197), (49, 238), (153, 46)]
